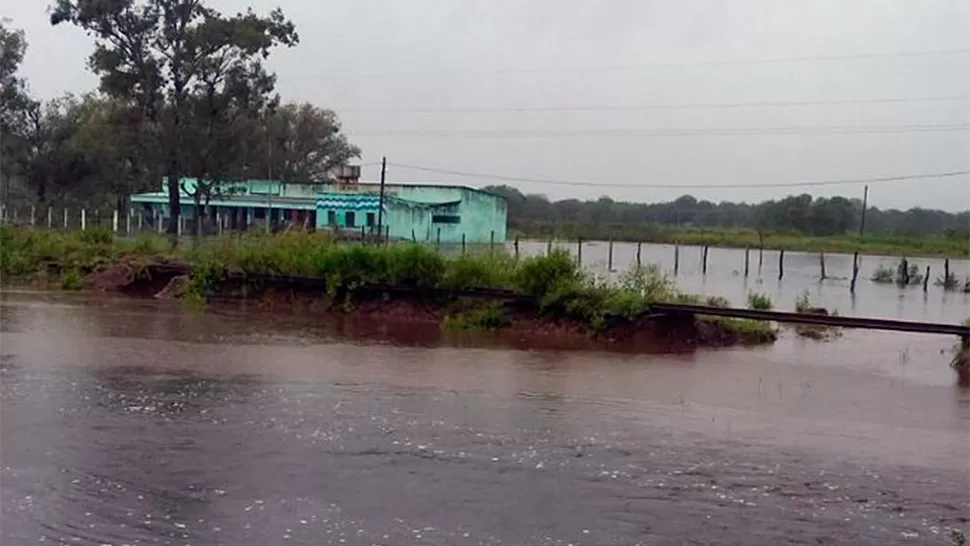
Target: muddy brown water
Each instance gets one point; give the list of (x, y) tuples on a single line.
[(138, 422)]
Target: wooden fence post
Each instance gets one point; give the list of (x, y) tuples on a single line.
[(549, 246), (516, 248), (761, 258), (946, 273), (639, 248), (462, 244), (579, 250), (609, 261), (747, 255), (821, 264), (855, 271), (676, 258), (437, 243), (491, 241), (904, 269), (781, 264), (926, 279), (414, 239), (704, 260)]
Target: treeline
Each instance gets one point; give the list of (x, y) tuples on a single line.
[(183, 94), (803, 214)]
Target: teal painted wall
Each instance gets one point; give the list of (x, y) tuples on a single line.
[(481, 214), (407, 208)]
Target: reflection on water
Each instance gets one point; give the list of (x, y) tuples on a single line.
[(136, 422)]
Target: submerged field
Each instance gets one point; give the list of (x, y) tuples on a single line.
[(482, 292), (954, 246)]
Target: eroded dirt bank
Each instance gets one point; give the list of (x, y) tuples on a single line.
[(408, 313)]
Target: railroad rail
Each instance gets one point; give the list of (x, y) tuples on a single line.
[(817, 319)]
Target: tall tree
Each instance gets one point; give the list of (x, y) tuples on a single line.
[(303, 143), (15, 104), (156, 55)]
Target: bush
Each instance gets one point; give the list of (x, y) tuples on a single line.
[(884, 274), (803, 302), (759, 301), (541, 275), (718, 301), (478, 271)]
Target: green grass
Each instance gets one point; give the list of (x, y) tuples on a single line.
[(563, 289), (875, 244), (750, 331), (486, 319)]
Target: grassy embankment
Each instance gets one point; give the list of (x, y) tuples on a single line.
[(561, 287), (873, 245)]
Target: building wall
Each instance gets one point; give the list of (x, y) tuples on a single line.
[(480, 214), (424, 210)]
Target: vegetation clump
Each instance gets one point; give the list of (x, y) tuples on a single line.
[(759, 301), (559, 285)]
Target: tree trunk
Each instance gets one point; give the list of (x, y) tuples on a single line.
[(174, 206)]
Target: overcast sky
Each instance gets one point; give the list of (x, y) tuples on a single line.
[(547, 89)]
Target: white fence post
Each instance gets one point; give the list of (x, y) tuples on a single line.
[(84, 219), (128, 223), (50, 217), (141, 220), (33, 215), (181, 222), (114, 221), (65, 217)]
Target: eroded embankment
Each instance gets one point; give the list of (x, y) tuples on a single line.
[(424, 314)]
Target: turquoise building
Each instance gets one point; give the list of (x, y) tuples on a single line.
[(424, 213)]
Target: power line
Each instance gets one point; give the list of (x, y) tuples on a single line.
[(635, 107), (812, 183), (736, 131), (672, 64)]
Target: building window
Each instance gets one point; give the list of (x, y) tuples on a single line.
[(371, 220), (445, 219), (331, 218), (350, 219)]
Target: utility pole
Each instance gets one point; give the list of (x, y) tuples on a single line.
[(380, 202), (865, 202)]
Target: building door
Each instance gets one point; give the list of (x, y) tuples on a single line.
[(350, 219), (331, 218)]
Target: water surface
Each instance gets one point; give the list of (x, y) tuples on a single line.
[(136, 422)]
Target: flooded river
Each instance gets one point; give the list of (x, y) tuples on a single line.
[(137, 422)]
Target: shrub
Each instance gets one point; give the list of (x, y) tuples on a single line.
[(884, 274), (478, 271), (803, 302), (759, 301), (637, 288), (718, 301), (541, 275)]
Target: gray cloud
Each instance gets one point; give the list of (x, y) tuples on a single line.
[(357, 56)]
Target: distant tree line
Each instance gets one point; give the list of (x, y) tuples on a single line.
[(796, 214), (183, 94)]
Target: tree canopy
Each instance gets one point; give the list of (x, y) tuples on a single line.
[(795, 213)]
